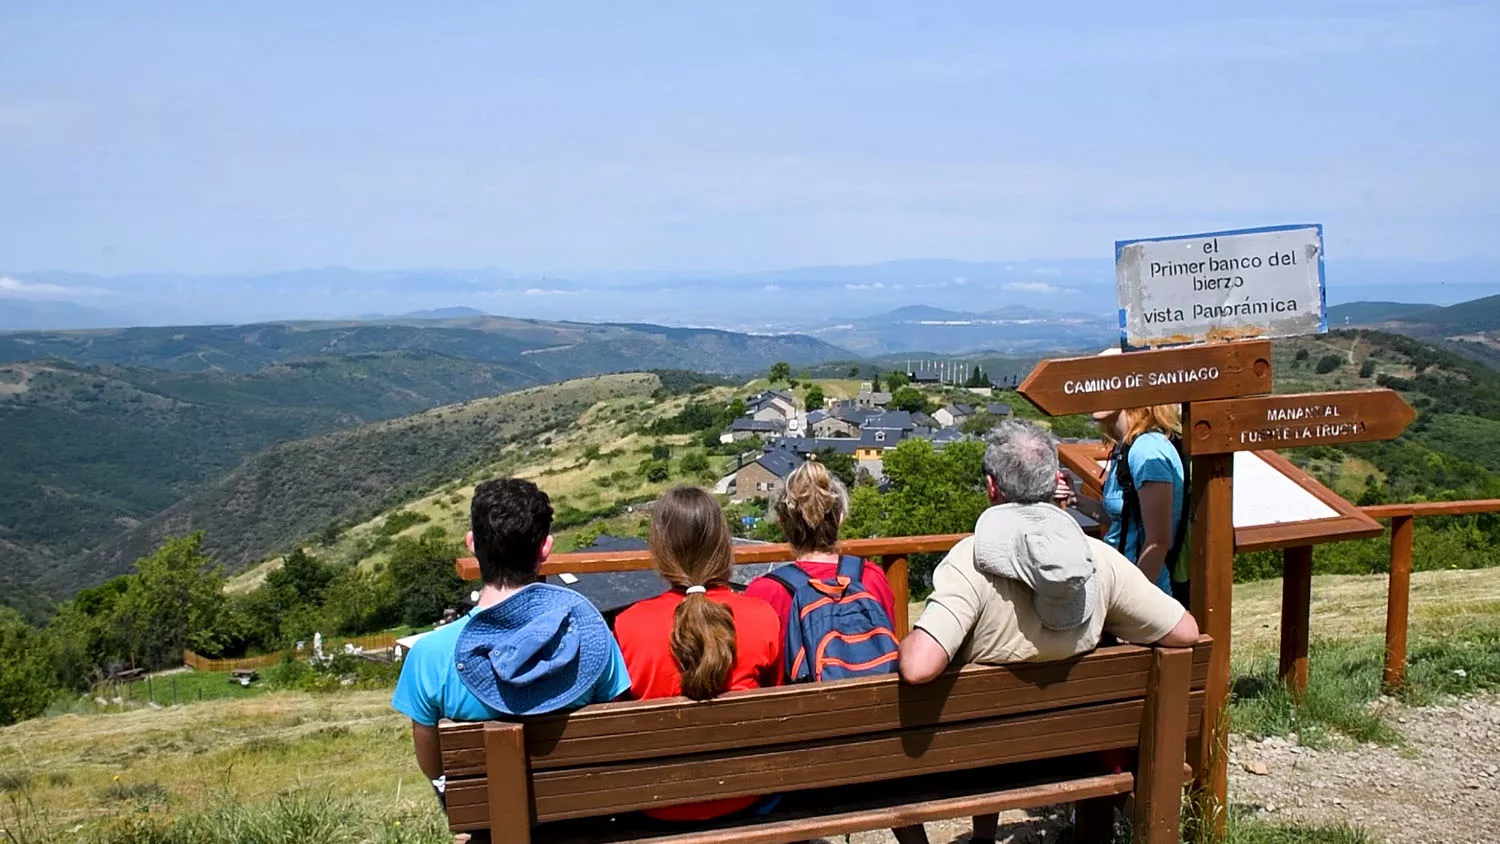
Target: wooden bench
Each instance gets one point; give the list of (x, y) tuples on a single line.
[(850, 756)]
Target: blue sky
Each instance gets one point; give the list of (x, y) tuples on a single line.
[(217, 137)]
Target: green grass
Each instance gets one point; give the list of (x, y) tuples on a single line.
[(1247, 831), (1344, 680), (299, 816)]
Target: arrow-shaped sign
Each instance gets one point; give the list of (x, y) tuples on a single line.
[(1140, 379), (1298, 419)]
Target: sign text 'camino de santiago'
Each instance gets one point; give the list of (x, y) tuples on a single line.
[(1265, 282)]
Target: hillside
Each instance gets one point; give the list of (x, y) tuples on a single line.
[(1471, 329), (1446, 453), (91, 451), (549, 351), (292, 491)]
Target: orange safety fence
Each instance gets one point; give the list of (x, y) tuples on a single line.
[(373, 642)]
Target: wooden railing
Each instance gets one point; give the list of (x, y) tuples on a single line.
[(1296, 579), (892, 553), (1398, 593)]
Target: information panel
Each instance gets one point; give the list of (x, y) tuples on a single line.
[(1218, 286)]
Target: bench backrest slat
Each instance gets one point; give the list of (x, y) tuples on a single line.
[(744, 720)]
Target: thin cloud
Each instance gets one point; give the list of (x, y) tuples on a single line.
[(1035, 287), (15, 288)]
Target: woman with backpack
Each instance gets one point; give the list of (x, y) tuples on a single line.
[(1145, 488), (842, 603), (699, 638), (810, 510)]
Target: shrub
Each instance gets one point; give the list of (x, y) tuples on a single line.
[(1327, 364), (694, 463), (1367, 368), (399, 521)]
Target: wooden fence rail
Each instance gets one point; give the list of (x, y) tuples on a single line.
[(1296, 589), (372, 642), (892, 553)]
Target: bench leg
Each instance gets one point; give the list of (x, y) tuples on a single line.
[(509, 782), (1163, 747)]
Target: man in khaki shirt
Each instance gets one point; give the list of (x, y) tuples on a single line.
[(1029, 585)]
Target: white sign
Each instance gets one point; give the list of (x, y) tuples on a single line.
[(1221, 286)]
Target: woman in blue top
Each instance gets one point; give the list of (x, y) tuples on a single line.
[(1145, 528)]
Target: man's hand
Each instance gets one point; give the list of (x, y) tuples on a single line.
[(922, 658)]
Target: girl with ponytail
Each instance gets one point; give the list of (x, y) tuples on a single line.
[(810, 509), (698, 639)]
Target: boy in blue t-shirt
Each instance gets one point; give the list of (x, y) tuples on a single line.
[(527, 648)]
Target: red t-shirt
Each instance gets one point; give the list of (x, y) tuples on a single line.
[(772, 592), (645, 631)]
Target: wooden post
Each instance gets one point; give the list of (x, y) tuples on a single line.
[(1398, 599), (1211, 549), (1296, 607), (896, 574), (1158, 782), (509, 782)]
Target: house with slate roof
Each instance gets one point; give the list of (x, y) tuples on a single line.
[(745, 427), (953, 415), (767, 474)]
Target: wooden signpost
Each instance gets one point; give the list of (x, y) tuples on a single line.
[(1298, 419), (1140, 379), (1222, 389)]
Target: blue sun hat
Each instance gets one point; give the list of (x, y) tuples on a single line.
[(540, 650)]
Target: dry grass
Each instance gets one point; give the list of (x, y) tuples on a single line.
[(1353, 607), (86, 769)]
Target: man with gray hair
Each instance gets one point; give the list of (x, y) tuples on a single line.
[(1029, 585)]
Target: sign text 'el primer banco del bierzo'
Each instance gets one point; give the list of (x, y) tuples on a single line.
[(1265, 282)]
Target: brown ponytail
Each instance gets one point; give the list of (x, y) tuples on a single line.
[(690, 546), (811, 508)]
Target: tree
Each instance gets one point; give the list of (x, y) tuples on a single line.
[(814, 399), (657, 471), (1367, 368), (174, 602), (421, 574), (977, 378), (780, 371), (1328, 363), (842, 466), (853, 372), (27, 679), (735, 410), (661, 451), (909, 399), (304, 576), (875, 382), (979, 424), (694, 463), (896, 380)]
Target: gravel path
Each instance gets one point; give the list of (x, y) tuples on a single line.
[(1442, 785)]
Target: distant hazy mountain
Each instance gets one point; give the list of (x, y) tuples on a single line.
[(771, 301), (445, 313), (1016, 330), (28, 315), (1468, 328)]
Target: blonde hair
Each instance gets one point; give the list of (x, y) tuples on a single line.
[(690, 546), (811, 508), (1158, 419)]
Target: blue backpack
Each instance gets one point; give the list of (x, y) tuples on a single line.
[(837, 629)]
